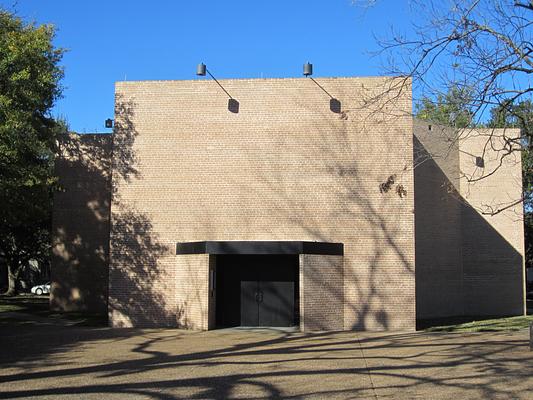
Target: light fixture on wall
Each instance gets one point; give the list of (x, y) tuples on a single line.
[(233, 104), (201, 69), (308, 69), (334, 104), (109, 123)]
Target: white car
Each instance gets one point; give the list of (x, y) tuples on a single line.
[(40, 289)]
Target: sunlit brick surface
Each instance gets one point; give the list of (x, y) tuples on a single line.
[(284, 167)]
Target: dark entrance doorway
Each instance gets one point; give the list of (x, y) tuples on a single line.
[(257, 290)]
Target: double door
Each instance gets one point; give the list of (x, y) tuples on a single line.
[(256, 290), (267, 303)]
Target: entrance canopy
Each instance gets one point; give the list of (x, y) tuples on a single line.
[(260, 247)]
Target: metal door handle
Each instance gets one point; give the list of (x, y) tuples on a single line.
[(259, 296)]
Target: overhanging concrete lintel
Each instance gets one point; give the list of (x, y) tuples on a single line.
[(260, 247)]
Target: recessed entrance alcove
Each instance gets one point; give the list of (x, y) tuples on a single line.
[(261, 283)]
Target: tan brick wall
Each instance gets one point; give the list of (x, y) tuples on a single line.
[(142, 277), (80, 224), (321, 292), (192, 291), (493, 245), (468, 262), (439, 266), (283, 168)]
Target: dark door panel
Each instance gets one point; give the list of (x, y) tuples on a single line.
[(256, 290), (249, 303), (277, 307)]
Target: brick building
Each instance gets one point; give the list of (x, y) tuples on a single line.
[(284, 206)]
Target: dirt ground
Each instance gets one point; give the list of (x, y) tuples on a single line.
[(101, 363)]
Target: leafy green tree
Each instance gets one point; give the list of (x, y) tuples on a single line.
[(451, 109), (29, 86)]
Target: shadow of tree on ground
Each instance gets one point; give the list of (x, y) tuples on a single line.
[(174, 364)]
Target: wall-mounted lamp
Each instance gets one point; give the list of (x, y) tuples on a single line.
[(233, 104), (334, 104), (308, 69), (109, 123), (200, 70)]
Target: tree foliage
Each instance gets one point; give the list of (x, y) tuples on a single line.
[(29, 86), (450, 109)]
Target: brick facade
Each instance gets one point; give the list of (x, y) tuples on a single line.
[(493, 245), (468, 262), (285, 165), (321, 292), (80, 224), (192, 291)]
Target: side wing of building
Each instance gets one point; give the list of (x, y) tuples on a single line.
[(80, 224), (468, 222)]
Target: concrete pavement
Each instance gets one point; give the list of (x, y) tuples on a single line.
[(95, 363)]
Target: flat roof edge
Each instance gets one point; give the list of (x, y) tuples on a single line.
[(296, 78)]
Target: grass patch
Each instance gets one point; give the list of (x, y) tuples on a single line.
[(487, 325), (35, 310), (25, 303)]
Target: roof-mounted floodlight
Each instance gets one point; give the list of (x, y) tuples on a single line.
[(334, 104), (233, 104), (308, 69), (200, 70)]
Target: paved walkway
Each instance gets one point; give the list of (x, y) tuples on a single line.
[(100, 363)]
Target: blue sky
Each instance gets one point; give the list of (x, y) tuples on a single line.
[(110, 41)]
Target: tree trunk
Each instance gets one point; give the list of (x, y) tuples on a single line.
[(12, 276)]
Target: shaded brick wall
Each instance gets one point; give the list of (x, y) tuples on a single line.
[(467, 261), (439, 266), (493, 245), (142, 283), (321, 292), (80, 224), (284, 167)]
